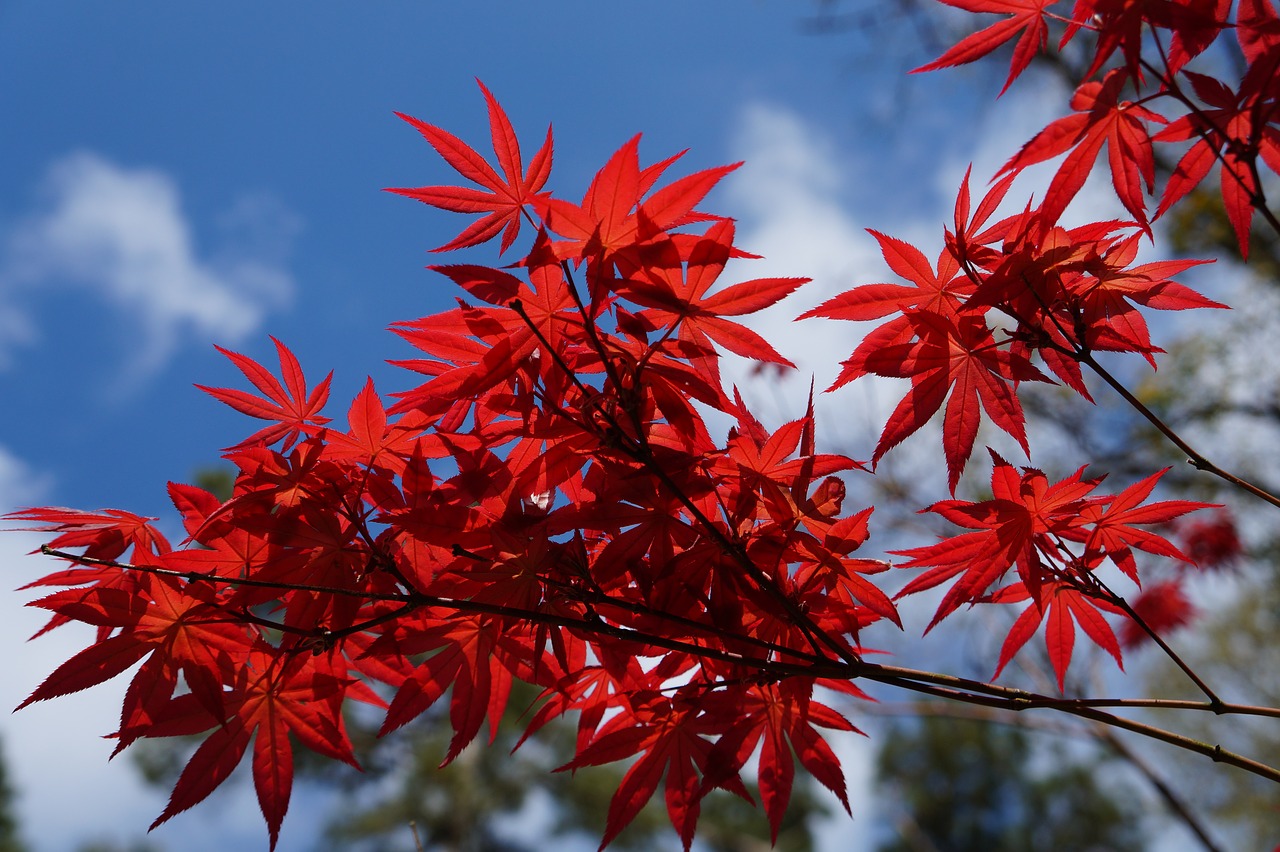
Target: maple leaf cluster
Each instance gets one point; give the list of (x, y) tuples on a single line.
[(548, 504)]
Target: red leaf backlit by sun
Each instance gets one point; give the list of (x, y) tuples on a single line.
[(503, 192)]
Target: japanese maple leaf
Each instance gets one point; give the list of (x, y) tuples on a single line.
[(192, 635), (104, 535), (502, 197), (1027, 17), (592, 691), (106, 607), (1024, 509), (1233, 130), (475, 655), (1100, 117), (1163, 607), (1060, 606), (969, 243), (295, 412), (612, 216), (669, 737), (1122, 24), (1257, 28), (643, 520), (276, 695), (941, 292), (767, 468), (1028, 524), (228, 550), (371, 439), (1213, 543), (1114, 535), (476, 348), (678, 293), (833, 584), (1107, 298), (958, 358), (779, 718)]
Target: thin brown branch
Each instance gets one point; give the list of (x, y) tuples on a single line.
[(927, 683), (1171, 798), (1194, 457), (1117, 600)]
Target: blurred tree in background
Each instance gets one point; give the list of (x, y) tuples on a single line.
[(10, 835), (950, 784)]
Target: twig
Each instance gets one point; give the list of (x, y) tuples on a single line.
[(927, 683)]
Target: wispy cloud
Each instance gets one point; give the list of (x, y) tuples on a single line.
[(797, 210), (121, 236)]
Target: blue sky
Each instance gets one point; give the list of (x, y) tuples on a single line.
[(178, 175)]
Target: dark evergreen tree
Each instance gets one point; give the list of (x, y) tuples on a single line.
[(10, 836), (961, 785)]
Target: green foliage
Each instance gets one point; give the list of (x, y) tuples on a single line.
[(961, 785), (10, 837), (1241, 645), (219, 481)]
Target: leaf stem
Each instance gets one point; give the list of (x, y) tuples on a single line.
[(1119, 601)]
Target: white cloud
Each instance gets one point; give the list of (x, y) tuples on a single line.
[(121, 235), (795, 211), (19, 484), (787, 195)]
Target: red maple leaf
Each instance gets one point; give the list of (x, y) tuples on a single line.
[(1060, 606), (275, 696), (1025, 509), (780, 719), (295, 412), (1163, 608), (1234, 130), (945, 357), (1123, 25), (1114, 535), (669, 737), (941, 293), (502, 196), (108, 534), (676, 293), (1257, 28), (1026, 17), (1213, 543), (1030, 523), (612, 216), (1100, 117)]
